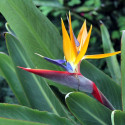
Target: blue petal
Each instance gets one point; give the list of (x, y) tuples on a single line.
[(58, 62), (69, 67), (76, 41)]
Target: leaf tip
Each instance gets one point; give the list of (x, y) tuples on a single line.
[(101, 23), (20, 67), (39, 55), (67, 95), (23, 68)]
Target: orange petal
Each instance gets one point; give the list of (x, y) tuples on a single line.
[(72, 37), (67, 46), (84, 48), (82, 34), (99, 56)]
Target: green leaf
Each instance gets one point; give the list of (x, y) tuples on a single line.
[(108, 87), (49, 3), (4, 121), (84, 9), (74, 2), (87, 110), (120, 22), (123, 68), (27, 114), (48, 6), (118, 117), (39, 95), (8, 72), (35, 31), (115, 34), (112, 62), (46, 10)]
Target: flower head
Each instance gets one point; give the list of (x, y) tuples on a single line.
[(75, 48), (74, 52)]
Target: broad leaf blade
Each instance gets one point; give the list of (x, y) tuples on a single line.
[(87, 110), (35, 31), (38, 92), (118, 118), (4, 121), (123, 69), (107, 86), (112, 62), (8, 72), (23, 113)]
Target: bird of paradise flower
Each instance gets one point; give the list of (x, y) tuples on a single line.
[(74, 52)]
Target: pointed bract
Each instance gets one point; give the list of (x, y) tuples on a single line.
[(73, 80), (101, 98)]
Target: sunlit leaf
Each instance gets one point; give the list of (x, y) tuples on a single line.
[(112, 62), (123, 69)]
